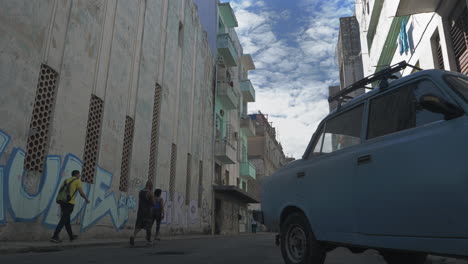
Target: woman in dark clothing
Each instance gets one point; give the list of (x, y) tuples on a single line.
[(144, 217), (157, 211)]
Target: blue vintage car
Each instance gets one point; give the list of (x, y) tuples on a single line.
[(388, 170)]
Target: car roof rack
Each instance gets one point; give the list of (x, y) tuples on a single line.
[(343, 95)]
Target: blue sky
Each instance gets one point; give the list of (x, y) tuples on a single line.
[(293, 45)]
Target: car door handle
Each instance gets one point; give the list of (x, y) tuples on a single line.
[(300, 174), (364, 159)]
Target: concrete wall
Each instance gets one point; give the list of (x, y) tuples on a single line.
[(118, 51)]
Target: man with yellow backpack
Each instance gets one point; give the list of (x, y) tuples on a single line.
[(66, 199)]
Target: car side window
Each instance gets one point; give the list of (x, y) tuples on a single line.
[(343, 131), (400, 110)]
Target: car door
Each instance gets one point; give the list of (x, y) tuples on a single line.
[(412, 168), (327, 183)]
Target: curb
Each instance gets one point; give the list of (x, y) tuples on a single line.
[(57, 247), (51, 247)]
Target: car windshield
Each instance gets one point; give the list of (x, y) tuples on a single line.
[(459, 84)]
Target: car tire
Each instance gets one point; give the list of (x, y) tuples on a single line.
[(298, 243), (404, 257)]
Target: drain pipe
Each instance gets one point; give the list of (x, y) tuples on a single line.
[(213, 141)]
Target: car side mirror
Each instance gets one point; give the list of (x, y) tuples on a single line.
[(437, 104)]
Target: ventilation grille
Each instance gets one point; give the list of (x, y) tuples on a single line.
[(154, 133), (200, 184), (440, 57), (188, 184), (172, 172), (93, 133), (126, 153), (44, 103)]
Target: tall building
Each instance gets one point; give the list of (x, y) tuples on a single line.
[(120, 90), (265, 153), (428, 34), (348, 53)]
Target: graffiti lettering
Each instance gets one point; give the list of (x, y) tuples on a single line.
[(24, 206), (103, 204), (4, 140)]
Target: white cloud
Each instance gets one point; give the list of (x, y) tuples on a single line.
[(292, 75)]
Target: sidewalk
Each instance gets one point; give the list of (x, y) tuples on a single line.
[(14, 247)]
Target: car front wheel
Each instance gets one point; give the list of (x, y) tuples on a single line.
[(298, 243)]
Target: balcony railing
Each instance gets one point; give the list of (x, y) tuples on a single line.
[(227, 49), (225, 151), (227, 14), (227, 95), (248, 91), (247, 126), (247, 169)]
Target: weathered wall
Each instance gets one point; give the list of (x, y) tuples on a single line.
[(118, 51), (227, 217)]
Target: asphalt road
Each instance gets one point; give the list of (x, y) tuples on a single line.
[(258, 248)]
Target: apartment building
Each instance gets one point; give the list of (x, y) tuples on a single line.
[(428, 34), (265, 152), (232, 124)]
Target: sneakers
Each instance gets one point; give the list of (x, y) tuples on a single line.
[(55, 240), (73, 237), (132, 242)]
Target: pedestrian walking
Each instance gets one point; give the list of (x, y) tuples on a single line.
[(66, 199), (144, 215), (254, 225), (157, 211)]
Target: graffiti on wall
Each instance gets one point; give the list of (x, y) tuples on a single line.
[(205, 212), (178, 213), (24, 206)]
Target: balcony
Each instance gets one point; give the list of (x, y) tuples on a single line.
[(225, 152), (248, 91), (411, 7), (247, 170), (227, 14), (227, 95), (227, 50), (247, 126), (247, 62)]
